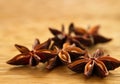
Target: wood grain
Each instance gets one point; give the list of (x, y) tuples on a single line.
[(21, 21)]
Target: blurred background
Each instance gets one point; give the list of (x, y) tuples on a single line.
[(34, 12)]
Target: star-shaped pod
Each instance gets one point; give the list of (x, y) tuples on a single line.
[(89, 37), (40, 53), (98, 64), (65, 55), (60, 37)]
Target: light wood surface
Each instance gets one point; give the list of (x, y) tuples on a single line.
[(21, 21)]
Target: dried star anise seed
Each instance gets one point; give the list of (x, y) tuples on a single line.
[(44, 45), (65, 55), (73, 40), (73, 51), (60, 37), (45, 55), (40, 53), (91, 36), (98, 64), (86, 41)]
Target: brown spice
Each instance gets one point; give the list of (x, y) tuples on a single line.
[(65, 55), (60, 37), (69, 49), (98, 64), (89, 37), (40, 53)]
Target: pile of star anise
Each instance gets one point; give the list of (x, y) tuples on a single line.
[(70, 49)]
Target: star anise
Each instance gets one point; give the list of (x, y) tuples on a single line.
[(65, 55), (89, 37), (98, 64), (60, 37), (40, 53)]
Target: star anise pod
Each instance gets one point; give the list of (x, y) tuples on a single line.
[(65, 55), (98, 64), (89, 37), (60, 37), (40, 53)]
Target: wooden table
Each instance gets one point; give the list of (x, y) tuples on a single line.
[(21, 21)]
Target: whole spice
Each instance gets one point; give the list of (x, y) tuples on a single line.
[(69, 49), (65, 55), (60, 37), (40, 53), (89, 37), (98, 64)]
